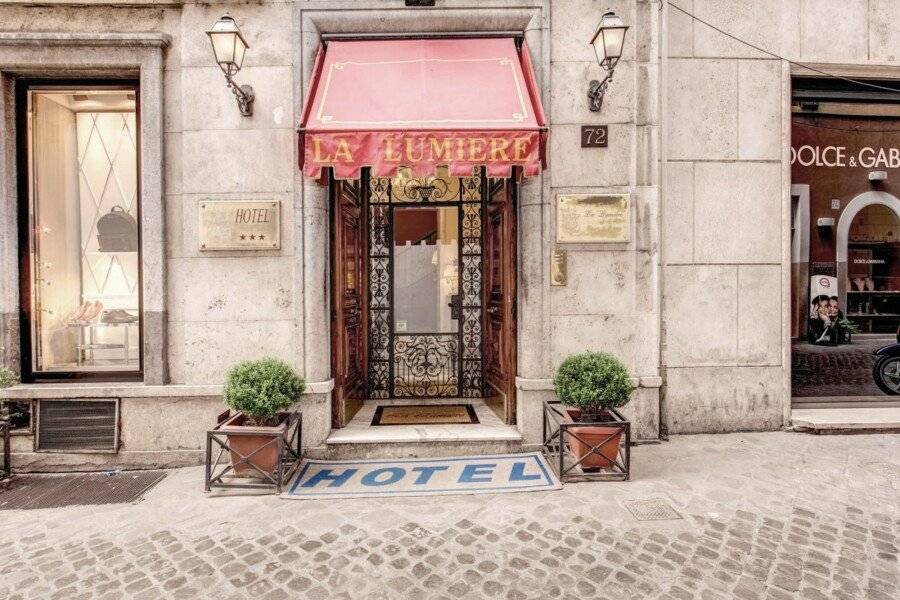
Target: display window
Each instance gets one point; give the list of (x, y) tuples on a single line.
[(80, 238), (845, 164)]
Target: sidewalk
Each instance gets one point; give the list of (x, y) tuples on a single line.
[(762, 515)]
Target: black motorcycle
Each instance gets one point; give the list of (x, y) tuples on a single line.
[(887, 368)]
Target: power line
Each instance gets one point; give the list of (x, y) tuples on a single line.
[(772, 54)]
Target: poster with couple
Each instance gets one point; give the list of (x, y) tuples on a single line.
[(826, 319)]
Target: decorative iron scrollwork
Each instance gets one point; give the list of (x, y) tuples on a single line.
[(378, 190), (426, 365), (440, 188)]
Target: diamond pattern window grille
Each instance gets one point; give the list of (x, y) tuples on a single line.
[(107, 168)]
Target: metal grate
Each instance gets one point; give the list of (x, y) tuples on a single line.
[(426, 365), (654, 509), (28, 492), (77, 425)]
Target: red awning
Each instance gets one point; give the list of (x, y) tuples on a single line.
[(386, 104)]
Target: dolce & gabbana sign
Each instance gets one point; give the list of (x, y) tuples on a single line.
[(867, 157)]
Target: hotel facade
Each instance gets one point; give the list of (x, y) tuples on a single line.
[(422, 205)]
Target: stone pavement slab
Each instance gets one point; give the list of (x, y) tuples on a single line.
[(756, 516), (840, 419)]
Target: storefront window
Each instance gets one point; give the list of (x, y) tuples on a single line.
[(83, 215), (845, 244)]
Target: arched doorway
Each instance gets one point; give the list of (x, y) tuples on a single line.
[(868, 261)]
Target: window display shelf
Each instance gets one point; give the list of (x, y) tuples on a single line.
[(101, 324), (88, 333), (872, 315), (878, 292), (100, 346)]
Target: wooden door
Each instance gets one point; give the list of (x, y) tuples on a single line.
[(499, 356), (348, 314)]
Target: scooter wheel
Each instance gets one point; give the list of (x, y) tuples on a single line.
[(886, 373)]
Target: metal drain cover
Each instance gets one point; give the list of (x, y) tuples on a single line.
[(654, 509), (26, 492)]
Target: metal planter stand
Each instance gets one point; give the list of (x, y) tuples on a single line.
[(290, 456), (559, 435), (6, 465)]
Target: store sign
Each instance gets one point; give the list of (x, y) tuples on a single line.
[(593, 219), (838, 156), (239, 225), (387, 151)]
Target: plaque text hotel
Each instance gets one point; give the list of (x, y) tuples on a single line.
[(240, 225)]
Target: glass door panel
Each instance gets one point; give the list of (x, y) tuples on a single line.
[(426, 266)]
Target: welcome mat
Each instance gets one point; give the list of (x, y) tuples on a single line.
[(424, 414), (319, 479)]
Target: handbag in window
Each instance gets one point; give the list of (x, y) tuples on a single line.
[(117, 231)]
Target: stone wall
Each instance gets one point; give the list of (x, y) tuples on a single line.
[(228, 306), (611, 301), (726, 221)]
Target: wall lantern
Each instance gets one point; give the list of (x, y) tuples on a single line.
[(608, 43), (229, 47)]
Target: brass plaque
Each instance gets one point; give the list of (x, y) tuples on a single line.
[(558, 267), (594, 218), (240, 225)]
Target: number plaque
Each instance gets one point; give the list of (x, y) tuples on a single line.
[(594, 136)]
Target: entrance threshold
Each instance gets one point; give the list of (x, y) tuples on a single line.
[(838, 420), (362, 439)]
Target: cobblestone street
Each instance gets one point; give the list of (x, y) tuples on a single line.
[(763, 515)]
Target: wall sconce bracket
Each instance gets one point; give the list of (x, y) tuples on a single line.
[(244, 96), (596, 91)]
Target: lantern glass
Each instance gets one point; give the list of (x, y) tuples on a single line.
[(609, 40), (228, 44)]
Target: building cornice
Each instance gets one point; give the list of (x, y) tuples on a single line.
[(106, 3), (130, 40)]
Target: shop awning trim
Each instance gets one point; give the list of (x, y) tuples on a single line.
[(422, 103)]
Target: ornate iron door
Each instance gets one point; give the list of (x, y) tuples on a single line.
[(406, 358)]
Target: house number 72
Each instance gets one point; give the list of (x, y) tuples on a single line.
[(594, 136)]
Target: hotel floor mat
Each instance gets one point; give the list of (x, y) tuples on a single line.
[(424, 414), (319, 479)]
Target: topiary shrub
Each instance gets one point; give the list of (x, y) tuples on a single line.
[(261, 389), (8, 410), (592, 382), (8, 378)]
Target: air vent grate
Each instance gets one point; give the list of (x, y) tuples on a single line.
[(77, 425)]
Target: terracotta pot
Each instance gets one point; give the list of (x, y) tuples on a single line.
[(249, 442), (603, 457)]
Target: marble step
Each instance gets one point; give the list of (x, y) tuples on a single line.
[(421, 449)]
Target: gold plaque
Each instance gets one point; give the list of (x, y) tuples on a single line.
[(558, 268), (240, 225), (594, 218)]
